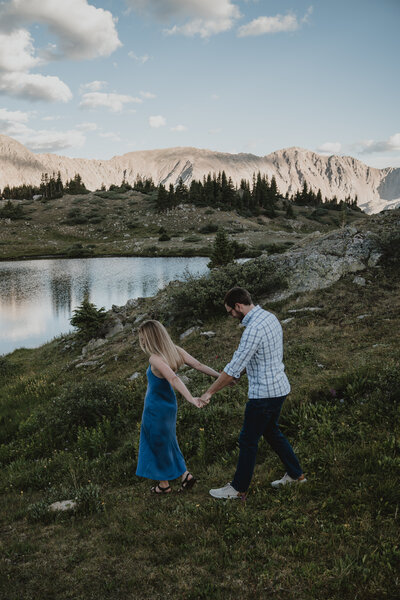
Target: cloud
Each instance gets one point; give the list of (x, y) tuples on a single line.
[(87, 126), (330, 148), (114, 102), (195, 17), (50, 141), (157, 121), (140, 59), (93, 86), (9, 117), (83, 32), (17, 57), (110, 135), (33, 86), (148, 95), (277, 24), (179, 128), (215, 131), (371, 146)]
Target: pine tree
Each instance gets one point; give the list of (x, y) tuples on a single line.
[(222, 252)]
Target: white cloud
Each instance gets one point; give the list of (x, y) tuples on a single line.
[(51, 141), (330, 148), (214, 97), (196, 17), (114, 137), (17, 57), (179, 128), (93, 86), (140, 59), (83, 30), (87, 126), (276, 24), (114, 102), (148, 95), (157, 121), (12, 116), (33, 86), (17, 52), (371, 146)]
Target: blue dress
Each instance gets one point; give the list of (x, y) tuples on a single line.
[(159, 454)]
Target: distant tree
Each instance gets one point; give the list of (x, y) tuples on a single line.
[(161, 199), (289, 211), (181, 192), (222, 252), (76, 186)]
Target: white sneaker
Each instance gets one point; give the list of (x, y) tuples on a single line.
[(286, 479), (226, 492)]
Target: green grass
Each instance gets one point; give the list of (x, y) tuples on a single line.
[(66, 433)]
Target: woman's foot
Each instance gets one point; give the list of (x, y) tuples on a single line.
[(188, 481), (161, 489)]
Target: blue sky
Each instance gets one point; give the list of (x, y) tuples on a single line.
[(89, 78)]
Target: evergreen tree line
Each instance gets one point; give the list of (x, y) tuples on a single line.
[(307, 197), (261, 195), (218, 190), (51, 186)]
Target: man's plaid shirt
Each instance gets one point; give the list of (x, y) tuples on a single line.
[(261, 352)]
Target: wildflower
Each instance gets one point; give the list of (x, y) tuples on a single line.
[(201, 429)]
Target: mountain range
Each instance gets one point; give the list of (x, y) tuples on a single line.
[(341, 176)]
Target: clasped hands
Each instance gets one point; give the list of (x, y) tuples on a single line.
[(203, 400)]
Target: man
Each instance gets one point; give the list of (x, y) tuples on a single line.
[(260, 352)]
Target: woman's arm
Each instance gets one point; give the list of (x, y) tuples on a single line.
[(177, 383), (195, 364)]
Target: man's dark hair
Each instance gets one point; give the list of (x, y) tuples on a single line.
[(237, 295)]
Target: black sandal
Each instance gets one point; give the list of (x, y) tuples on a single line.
[(163, 490), (187, 483)]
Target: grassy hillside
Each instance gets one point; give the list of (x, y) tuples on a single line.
[(72, 432), (126, 224)]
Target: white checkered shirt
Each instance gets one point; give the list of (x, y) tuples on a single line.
[(261, 352)]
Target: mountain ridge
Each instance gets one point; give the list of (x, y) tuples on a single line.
[(343, 176)]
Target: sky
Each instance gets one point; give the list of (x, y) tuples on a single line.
[(99, 78)]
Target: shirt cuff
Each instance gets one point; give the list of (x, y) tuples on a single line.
[(230, 371)]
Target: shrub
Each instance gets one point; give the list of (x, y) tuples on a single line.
[(89, 320), (164, 237), (390, 248), (209, 228), (203, 296), (81, 414)]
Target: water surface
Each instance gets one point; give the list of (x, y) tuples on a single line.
[(37, 297)]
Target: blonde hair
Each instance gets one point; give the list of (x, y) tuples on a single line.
[(155, 339)]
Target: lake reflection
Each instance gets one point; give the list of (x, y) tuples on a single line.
[(37, 297)]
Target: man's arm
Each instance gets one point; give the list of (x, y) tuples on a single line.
[(223, 380), (233, 370)]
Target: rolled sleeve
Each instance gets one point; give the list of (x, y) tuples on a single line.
[(247, 348)]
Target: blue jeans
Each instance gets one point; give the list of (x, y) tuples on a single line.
[(261, 418)]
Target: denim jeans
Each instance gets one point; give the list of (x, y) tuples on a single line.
[(261, 418)]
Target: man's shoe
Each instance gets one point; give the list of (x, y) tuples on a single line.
[(227, 492), (286, 479)]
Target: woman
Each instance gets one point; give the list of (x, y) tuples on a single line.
[(160, 457)]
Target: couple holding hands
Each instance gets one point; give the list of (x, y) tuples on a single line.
[(260, 353)]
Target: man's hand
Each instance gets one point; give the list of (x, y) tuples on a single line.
[(198, 402), (205, 398)]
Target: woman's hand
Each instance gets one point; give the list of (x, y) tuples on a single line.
[(198, 402)]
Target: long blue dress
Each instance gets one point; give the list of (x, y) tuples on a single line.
[(159, 454)]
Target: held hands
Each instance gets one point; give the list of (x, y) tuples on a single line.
[(203, 401), (198, 402)]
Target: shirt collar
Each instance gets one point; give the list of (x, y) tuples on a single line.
[(246, 320)]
